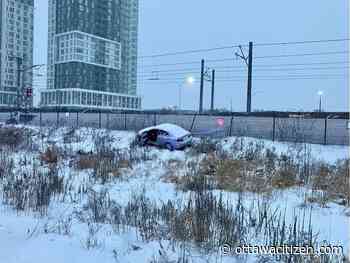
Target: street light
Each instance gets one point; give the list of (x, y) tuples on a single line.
[(320, 94), (189, 81)]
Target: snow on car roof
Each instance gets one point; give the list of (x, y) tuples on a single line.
[(172, 129)]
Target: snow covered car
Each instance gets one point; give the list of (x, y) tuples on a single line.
[(165, 135)]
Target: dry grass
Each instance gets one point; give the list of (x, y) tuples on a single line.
[(247, 175), (215, 173), (12, 137), (205, 146), (104, 167), (85, 162), (32, 190), (264, 172), (92, 161), (51, 155), (334, 181), (285, 178), (6, 165), (253, 169)]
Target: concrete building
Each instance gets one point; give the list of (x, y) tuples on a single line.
[(92, 55), (16, 52)]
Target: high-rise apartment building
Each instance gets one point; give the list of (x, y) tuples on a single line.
[(92, 54), (16, 51)]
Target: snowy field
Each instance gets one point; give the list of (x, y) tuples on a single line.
[(65, 230)]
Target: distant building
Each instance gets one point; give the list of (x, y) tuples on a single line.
[(16, 51), (92, 55)]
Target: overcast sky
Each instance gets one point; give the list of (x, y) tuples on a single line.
[(171, 26)]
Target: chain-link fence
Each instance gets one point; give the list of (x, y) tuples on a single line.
[(329, 129)]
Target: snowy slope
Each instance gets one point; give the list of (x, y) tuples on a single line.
[(27, 238)]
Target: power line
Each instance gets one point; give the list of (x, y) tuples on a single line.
[(304, 54), (285, 55), (170, 70), (172, 74), (234, 59), (243, 67), (288, 69), (183, 72), (195, 71), (286, 65), (260, 76), (192, 51), (302, 42), (256, 79), (284, 79), (189, 52), (297, 69), (173, 64), (298, 75), (145, 77)]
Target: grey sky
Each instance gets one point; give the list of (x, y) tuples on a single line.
[(170, 26)]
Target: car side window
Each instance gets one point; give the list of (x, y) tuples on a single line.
[(163, 133)]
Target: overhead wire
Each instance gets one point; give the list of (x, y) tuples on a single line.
[(193, 51)]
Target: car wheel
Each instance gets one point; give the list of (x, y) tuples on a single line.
[(169, 147), (140, 142)]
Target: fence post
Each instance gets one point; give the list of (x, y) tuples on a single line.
[(325, 130), (231, 124), (274, 127), (77, 120), (155, 119), (99, 120), (40, 119), (57, 118), (193, 120), (107, 126), (125, 121)]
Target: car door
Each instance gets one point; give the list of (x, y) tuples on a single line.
[(162, 138), (152, 137), (143, 139)]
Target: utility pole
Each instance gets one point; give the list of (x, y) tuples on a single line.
[(320, 94), (180, 97), (201, 88), (250, 71), (19, 84), (249, 62), (20, 100), (212, 89)]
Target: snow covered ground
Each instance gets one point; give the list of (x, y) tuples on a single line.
[(327, 153), (26, 237)]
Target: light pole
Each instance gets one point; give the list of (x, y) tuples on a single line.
[(57, 101), (188, 80), (320, 94)]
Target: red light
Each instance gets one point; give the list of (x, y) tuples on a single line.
[(220, 122), (29, 92)]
